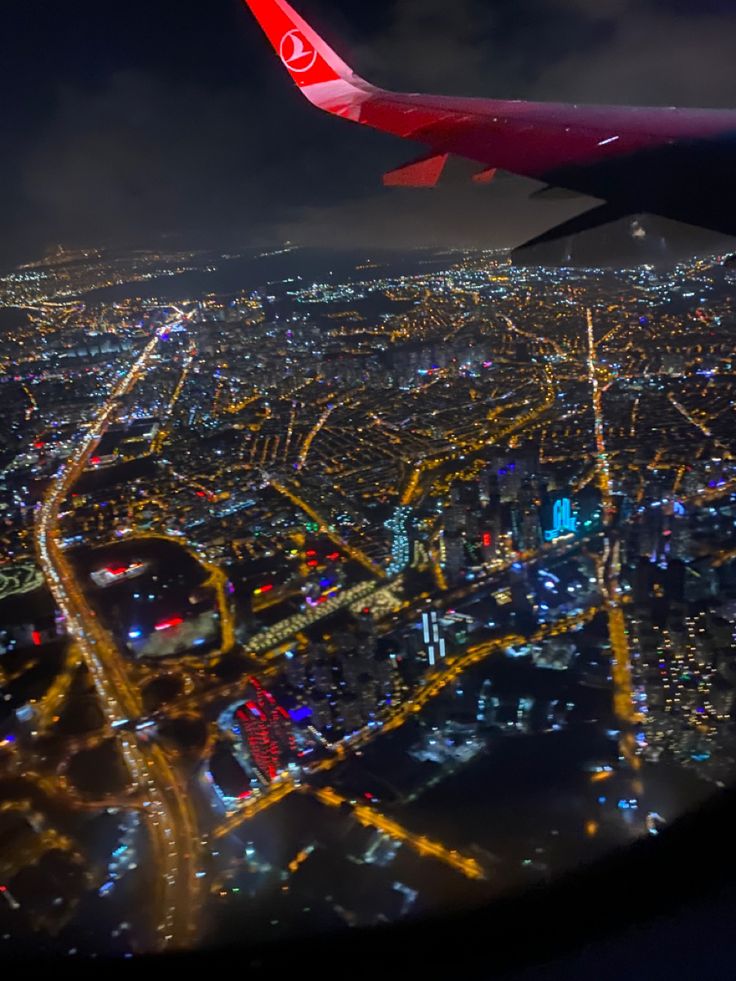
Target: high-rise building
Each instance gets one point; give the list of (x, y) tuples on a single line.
[(558, 516), (524, 713), (266, 730), (454, 518), (385, 673), (681, 543), (507, 472), (367, 693), (434, 641), (453, 554), (525, 518), (489, 545), (588, 509), (401, 544), (352, 665)]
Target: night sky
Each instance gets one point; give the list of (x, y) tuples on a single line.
[(172, 123)]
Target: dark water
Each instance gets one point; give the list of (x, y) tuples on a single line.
[(251, 272)]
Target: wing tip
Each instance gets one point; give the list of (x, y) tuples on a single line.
[(307, 57)]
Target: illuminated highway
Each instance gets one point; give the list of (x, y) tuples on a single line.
[(168, 810), (603, 464), (433, 685), (465, 446), (425, 847), (218, 581), (453, 668), (277, 791), (163, 433), (608, 571), (314, 432), (410, 490), (269, 646), (690, 417), (46, 709)]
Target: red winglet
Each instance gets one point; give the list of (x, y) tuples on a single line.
[(485, 176), (420, 173)]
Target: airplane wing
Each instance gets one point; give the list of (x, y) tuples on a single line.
[(674, 162)]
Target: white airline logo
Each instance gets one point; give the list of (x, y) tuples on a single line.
[(297, 53)]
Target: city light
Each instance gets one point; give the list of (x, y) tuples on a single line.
[(169, 624), (329, 547)]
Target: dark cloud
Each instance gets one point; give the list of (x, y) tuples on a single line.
[(432, 44), (652, 57), (619, 8), (140, 152), (141, 156), (602, 10), (622, 51)]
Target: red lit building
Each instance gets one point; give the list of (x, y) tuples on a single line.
[(266, 729)]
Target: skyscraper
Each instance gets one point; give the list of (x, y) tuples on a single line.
[(433, 637), (558, 516), (401, 544), (267, 732), (453, 553)]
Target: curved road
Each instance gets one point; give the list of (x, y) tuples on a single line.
[(167, 808)]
